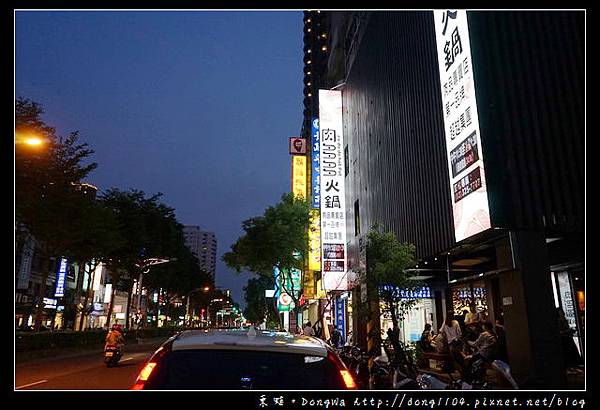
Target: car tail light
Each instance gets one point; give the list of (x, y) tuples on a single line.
[(348, 379), (349, 382), (144, 375)]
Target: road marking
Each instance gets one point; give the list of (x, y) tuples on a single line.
[(129, 358), (31, 384)]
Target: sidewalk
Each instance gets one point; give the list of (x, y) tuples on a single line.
[(49, 355)]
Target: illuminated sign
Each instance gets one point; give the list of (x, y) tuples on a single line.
[(315, 170), (314, 241), (418, 293), (107, 293), (287, 283), (98, 276), (309, 289), (299, 176), (50, 303), (61, 274), (333, 206), (297, 146), (340, 316), (468, 187)]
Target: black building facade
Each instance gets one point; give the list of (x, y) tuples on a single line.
[(529, 76)]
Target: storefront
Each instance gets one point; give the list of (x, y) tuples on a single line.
[(413, 323), (569, 297), (464, 295)]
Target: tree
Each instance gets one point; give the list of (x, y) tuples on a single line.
[(95, 237), (46, 186), (150, 230), (257, 308), (387, 275), (278, 238)]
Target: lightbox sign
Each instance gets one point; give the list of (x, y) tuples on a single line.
[(315, 170), (314, 241), (333, 206), (340, 316), (299, 176), (61, 274), (286, 284), (468, 187), (50, 303)]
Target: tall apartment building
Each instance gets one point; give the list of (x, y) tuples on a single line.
[(204, 246)]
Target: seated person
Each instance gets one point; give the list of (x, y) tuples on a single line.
[(484, 352), (426, 339)]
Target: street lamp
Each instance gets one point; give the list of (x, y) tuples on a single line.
[(144, 267), (29, 139)]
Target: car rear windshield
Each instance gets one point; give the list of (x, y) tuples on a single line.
[(241, 369)]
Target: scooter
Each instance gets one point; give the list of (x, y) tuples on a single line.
[(429, 382), (112, 355)]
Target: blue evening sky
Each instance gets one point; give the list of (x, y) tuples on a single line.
[(197, 105)]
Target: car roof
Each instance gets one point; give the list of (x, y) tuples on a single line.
[(243, 339)]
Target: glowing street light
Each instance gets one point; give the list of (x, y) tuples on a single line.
[(31, 140)]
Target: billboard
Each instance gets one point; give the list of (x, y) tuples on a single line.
[(299, 175), (468, 188), (333, 207), (61, 274), (314, 241), (315, 170)]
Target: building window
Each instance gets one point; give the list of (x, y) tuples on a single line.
[(356, 218)]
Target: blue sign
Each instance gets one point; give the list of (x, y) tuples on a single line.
[(340, 316), (63, 267), (316, 152)]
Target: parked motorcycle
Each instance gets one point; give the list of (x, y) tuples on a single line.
[(112, 355), (429, 382)]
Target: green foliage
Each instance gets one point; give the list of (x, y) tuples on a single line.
[(47, 179), (273, 238), (387, 264), (150, 230), (277, 238), (257, 306)]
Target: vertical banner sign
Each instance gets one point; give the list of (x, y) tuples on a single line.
[(316, 171), (61, 274), (333, 206), (299, 175), (463, 140), (314, 241), (291, 282), (340, 316)]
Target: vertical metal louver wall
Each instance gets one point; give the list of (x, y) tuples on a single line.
[(530, 80), (395, 132)]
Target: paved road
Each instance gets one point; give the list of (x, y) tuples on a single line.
[(85, 372)]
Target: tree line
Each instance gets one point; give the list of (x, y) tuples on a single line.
[(119, 228)]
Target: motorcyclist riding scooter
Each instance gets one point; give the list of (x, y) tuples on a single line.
[(113, 345)]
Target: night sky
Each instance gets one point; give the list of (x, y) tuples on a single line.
[(196, 105)]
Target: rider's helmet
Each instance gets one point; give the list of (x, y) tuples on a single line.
[(116, 327)]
